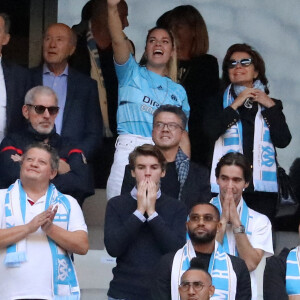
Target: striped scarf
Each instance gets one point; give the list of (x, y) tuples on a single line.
[(65, 283), (292, 276), (220, 268), (264, 164), (245, 220)]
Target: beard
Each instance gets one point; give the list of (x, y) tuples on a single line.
[(203, 238)]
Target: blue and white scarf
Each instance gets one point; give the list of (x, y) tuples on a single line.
[(65, 283), (182, 163), (246, 220), (220, 268), (292, 276), (264, 164)]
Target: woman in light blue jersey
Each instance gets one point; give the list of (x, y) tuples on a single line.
[(142, 89)]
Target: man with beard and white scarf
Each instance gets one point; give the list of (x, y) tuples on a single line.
[(230, 276)]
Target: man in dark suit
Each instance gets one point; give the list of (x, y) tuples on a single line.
[(14, 83), (79, 117), (184, 180)]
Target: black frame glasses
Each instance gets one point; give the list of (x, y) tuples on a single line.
[(172, 126), (244, 62), (40, 109)]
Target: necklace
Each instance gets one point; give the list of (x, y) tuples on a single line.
[(159, 88)]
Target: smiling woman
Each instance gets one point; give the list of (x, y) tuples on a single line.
[(142, 89), (246, 120)]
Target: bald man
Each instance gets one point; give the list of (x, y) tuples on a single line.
[(79, 118)]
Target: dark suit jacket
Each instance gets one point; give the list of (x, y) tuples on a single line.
[(17, 83), (82, 121), (196, 188)]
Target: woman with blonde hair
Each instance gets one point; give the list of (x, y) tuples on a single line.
[(142, 89)]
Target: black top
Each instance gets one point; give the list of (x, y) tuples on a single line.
[(274, 277), (200, 78), (217, 120), (76, 183), (161, 288), (17, 83), (139, 246)]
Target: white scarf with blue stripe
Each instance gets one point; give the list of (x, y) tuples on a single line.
[(65, 283), (264, 164), (246, 221), (220, 268), (293, 272)]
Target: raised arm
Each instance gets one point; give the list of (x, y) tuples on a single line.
[(120, 43)]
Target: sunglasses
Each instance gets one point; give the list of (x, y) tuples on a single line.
[(245, 62), (40, 109)]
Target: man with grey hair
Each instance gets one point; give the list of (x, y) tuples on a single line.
[(14, 83), (40, 109), (77, 93), (39, 229)]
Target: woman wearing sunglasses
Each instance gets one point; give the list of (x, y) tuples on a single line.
[(142, 89), (245, 119)]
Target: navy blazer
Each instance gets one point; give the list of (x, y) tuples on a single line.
[(82, 120), (17, 83)]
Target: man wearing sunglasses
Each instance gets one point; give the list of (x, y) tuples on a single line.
[(14, 83), (184, 180), (40, 109), (230, 276)]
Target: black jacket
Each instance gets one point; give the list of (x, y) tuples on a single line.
[(161, 287), (77, 182)]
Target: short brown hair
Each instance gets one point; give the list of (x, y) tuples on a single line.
[(147, 150)]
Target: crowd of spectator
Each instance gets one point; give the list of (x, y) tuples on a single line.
[(188, 162)]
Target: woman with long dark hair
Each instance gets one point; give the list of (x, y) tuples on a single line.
[(198, 71), (245, 119)]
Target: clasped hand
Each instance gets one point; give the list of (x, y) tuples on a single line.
[(43, 220), (146, 196), (255, 95), (229, 209)]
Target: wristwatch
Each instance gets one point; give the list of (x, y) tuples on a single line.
[(240, 229)]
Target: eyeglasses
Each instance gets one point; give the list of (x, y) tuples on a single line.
[(171, 126), (245, 62), (205, 218), (197, 285), (40, 109)]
